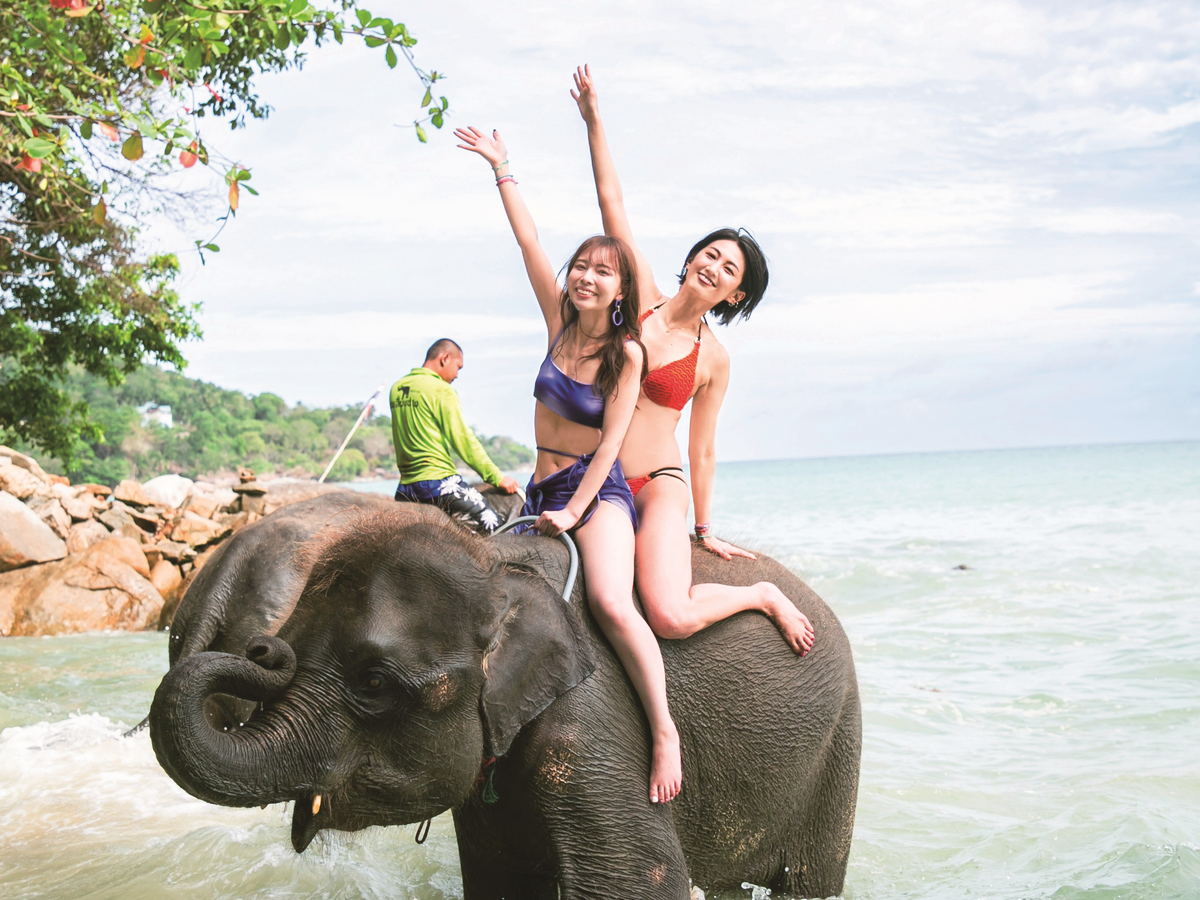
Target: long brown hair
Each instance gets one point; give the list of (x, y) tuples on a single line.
[(611, 352)]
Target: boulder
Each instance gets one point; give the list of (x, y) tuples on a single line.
[(51, 511), (20, 482), (168, 490), (105, 587), (176, 551), (208, 500), (84, 534), (16, 458), (166, 578), (132, 492), (24, 538), (99, 490), (81, 505), (198, 531), (12, 584)]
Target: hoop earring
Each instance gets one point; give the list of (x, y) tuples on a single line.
[(618, 318)]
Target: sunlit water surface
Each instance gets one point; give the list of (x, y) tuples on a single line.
[(1031, 720)]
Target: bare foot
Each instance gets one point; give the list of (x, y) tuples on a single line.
[(796, 629), (666, 767)]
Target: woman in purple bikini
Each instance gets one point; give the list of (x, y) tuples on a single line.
[(585, 393)]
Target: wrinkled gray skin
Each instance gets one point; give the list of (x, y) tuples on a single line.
[(394, 652)]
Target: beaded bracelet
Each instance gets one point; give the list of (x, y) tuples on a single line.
[(496, 167), (702, 530), (504, 178)]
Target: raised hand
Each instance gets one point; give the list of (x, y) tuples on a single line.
[(490, 147), (584, 94)]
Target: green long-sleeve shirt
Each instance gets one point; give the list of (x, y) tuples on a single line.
[(427, 426)]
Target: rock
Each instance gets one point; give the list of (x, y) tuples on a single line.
[(132, 492), (104, 587), (176, 551), (168, 490), (50, 511), (198, 531), (99, 490), (20, 482), (12, 585), (28, 463), (81, 505), (166, 578), (24, 538), (208, 499), (117, 516), (84, 534)]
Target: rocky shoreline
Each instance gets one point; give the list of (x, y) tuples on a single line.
[(85, 557)]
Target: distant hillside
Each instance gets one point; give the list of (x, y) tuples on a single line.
[(212, 429)]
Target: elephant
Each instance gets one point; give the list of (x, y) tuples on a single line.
[(395, 666)]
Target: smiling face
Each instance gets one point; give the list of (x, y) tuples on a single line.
[(716, 271), (593, 279)]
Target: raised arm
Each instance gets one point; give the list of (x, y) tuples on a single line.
[(537, 264), (608, 185), (618, 412)]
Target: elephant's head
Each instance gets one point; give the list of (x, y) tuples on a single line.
[(415, 651)]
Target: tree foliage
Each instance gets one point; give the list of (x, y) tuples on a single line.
[(214, 429), (99, 103)]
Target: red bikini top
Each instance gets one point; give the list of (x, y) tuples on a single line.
[(671, 384)]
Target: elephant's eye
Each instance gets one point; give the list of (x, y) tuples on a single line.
[(372, 681)]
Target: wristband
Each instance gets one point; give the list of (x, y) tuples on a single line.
[(497, 166), (702, 530), (504, 178)]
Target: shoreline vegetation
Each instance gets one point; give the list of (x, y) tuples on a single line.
[(161, 422)]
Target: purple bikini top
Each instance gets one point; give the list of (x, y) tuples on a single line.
[(571, 399)]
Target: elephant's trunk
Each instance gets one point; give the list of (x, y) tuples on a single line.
[(248, 766)]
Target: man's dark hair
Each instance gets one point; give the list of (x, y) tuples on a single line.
[(440, 346), (754, 277)]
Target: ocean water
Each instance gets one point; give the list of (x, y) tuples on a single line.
[(1026, 627)]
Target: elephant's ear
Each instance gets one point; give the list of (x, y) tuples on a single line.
[(538, 651)]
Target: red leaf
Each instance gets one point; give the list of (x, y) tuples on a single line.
[(108, 131), (233, 195), (29, 164)]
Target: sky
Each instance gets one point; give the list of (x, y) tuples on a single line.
[(981, 216)]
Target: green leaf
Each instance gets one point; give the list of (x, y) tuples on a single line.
[(250, 190), (436, 118), (363, 17), (85, 129), (445, 104), (297, 6), (243, 175), (283, 40), (39, 148), (23, 124), (428, 98), (132, 148), (193, 57), (421, 136), (390, 56), (372, 41), (212, 248)]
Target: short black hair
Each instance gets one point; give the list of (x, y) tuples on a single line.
[(440, 346), (754, 277)]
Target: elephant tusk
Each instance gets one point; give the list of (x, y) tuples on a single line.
[(316, 806)]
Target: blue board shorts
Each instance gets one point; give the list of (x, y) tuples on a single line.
[(556, 490)]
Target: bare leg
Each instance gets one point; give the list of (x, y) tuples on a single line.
[(606, 545), (674, 607)]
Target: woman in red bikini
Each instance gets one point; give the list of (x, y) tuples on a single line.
[(725, 274)]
